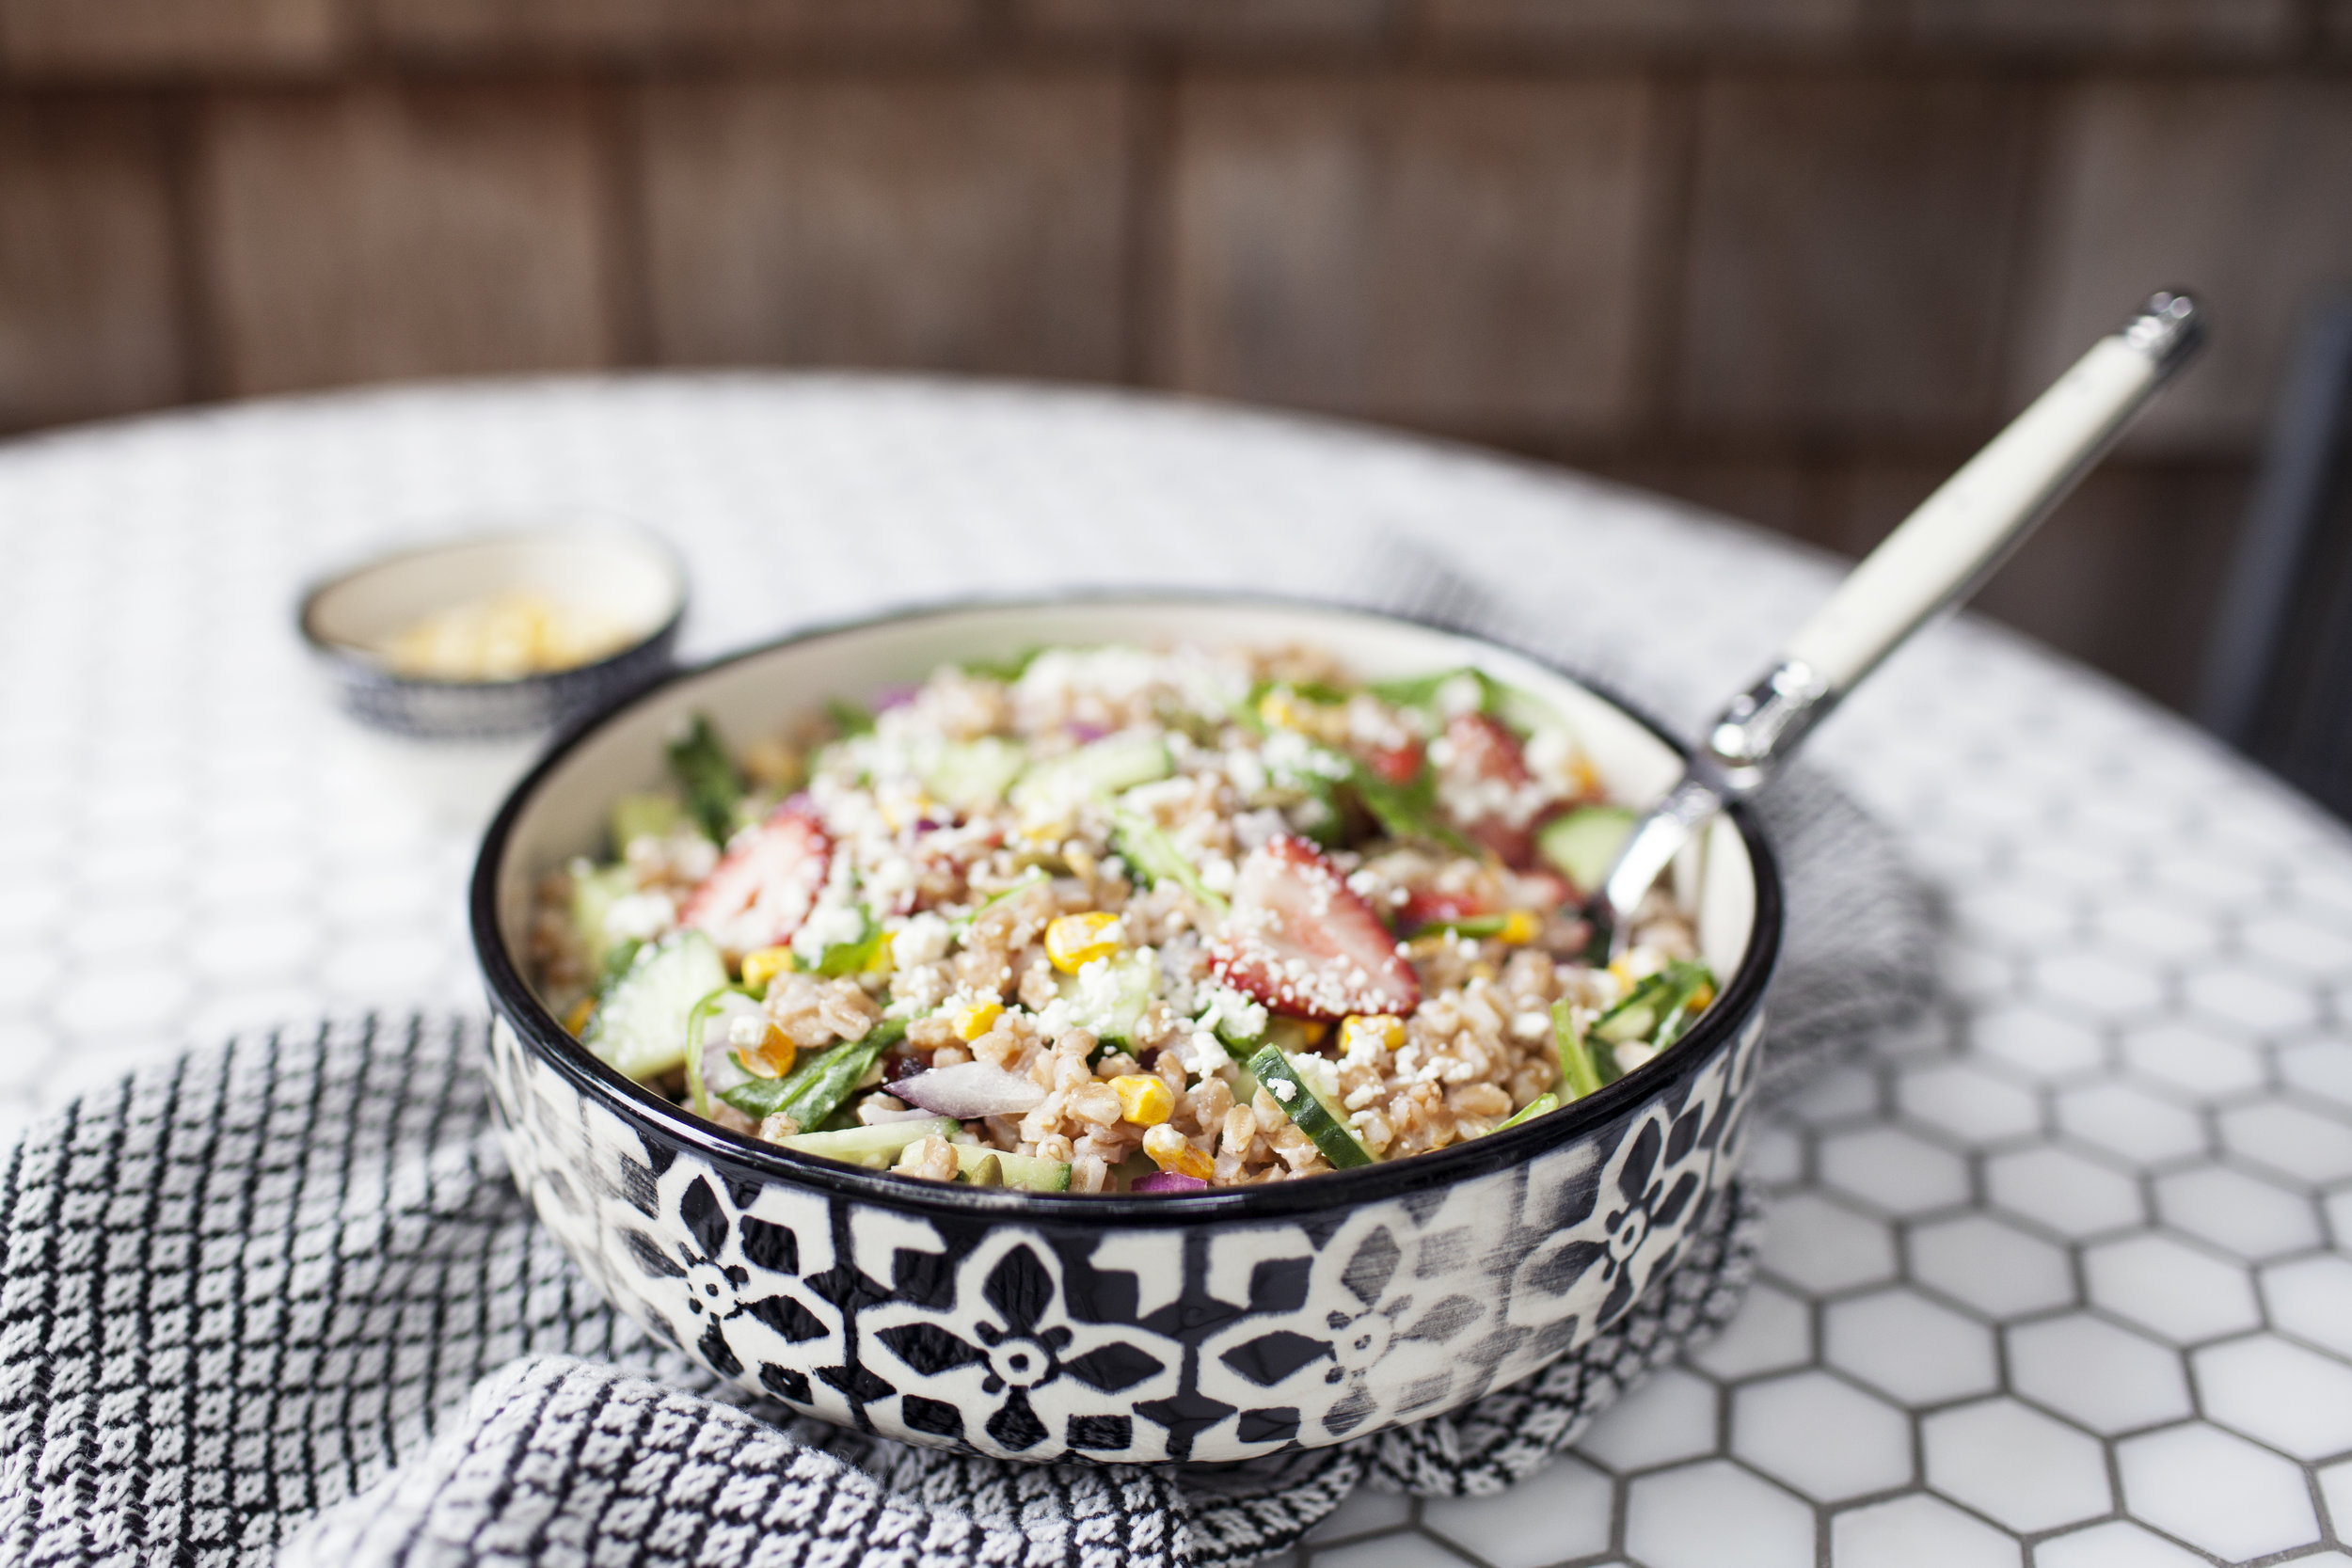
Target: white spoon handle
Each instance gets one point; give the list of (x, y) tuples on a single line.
[(1962, 532)]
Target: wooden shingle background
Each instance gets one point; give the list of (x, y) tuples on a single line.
[(1791, 257)]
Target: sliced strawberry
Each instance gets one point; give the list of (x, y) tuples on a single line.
[(1485, 785), (1399, 764), (767, 882), (1301, 942)]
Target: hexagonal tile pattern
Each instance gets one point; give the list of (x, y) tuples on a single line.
[(1893, 1172), (2238, 1212), (2194, 1057), (1560, 1512), (1823, 1245), (2294, 1399), (2217, 1491), (2312, 1298), (1772, 1332), (1991, 1265), (2303, 1144), (2182, 1294), (1969, 1103), (1917, 1533), (2063, 1191), (1919, 1351), (2015, 1465), (1673, 1420), (1705, 1516), (2097, 1374), (2132, 1123), (2117, 1545), (2137, 1076), (1821, 1436)]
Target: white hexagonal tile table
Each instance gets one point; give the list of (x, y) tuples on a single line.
[(2061, 1278)]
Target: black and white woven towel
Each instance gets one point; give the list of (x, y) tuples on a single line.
[(281, 1298)]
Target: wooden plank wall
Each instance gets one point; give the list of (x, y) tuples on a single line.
[(1789, 257)]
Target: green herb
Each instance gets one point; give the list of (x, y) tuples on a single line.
[(849, 717), (1660, 1009), (712, 784), (1466, 926), (1005, 669), (1543, 1104), (815, 1088), (1028, 879), (1406, 810), (695, 1021), (1421, 691), (856, 956), (618, 959), (1579, 1074)]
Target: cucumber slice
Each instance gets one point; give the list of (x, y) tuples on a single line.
[(636, 816), (994, 1168), (1308, 1111), (970, 773), (1104, 768), (1155, 857), (641, 1027), (1543, 1104), (1110, 1000), (595, 891), (875, 1147), (1582, 845)]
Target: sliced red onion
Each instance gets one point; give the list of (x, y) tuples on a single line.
[(894, 696), (1168, 1181), (911, 1112), (970, 1089)]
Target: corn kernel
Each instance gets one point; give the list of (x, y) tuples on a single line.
[(577, 1020), (975, 1019), (1143, 1098), (1385, 1029), (764, 964), (1075, 941), (1314, 1029), (778, 1052), (1277, 711), (1170, 1152), (1520, 927), (1702, 998)]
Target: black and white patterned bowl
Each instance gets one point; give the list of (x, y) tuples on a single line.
[(623, 576), (1216, 1326)]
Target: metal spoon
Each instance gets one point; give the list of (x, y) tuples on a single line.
[(1938, 556)]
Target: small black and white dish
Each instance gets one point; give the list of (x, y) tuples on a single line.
[(460, 743), (1134, 1328)]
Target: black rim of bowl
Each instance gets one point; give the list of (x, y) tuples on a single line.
[(353, 663), (512, 998)]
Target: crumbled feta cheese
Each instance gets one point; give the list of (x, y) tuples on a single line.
[(746, 1030), (923, 940), (639, 917)]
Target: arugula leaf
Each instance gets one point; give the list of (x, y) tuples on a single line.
[(1005, 669), (857, 955), (816, 1087), (849, 717)]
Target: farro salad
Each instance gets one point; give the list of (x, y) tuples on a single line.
[(1116, 919)]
